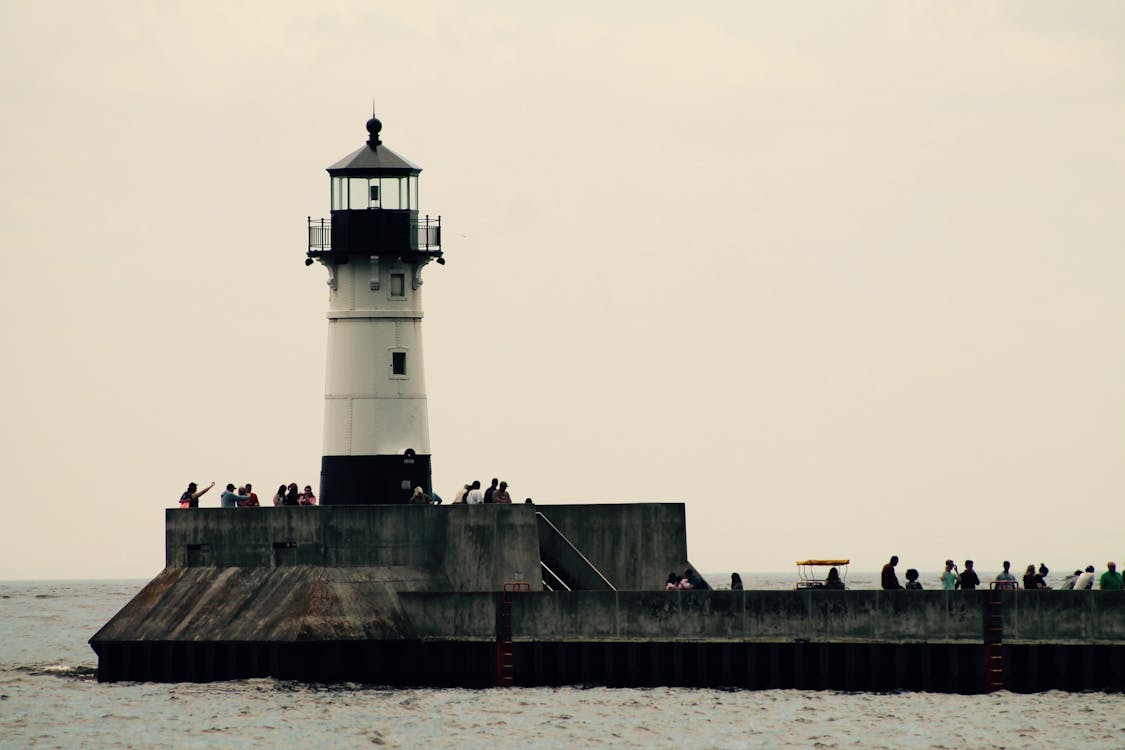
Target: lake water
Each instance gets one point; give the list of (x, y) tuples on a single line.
[(49, 698)]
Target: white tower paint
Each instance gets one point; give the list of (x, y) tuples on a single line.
[(376, 425)]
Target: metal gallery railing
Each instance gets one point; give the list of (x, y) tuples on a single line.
[(426, 234)]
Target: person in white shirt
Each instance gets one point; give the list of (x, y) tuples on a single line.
[(475, 496), (1086, 580)]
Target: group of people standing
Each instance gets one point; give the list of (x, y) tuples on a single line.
[(472, 494), (288, 495), (949, 579), (245, 497), (1033, 579)]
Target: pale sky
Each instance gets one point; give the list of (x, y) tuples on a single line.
[(845, 278)]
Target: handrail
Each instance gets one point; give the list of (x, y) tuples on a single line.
[(576, 551), (555, 575), (426, 230)]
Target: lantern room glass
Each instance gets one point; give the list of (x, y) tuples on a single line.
[(361, 193)]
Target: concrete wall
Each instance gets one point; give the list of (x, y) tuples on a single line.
[(635, 545), (486, 546), (464, 548), (751, 616), (774, 616), (477, 548), (1064, 617)]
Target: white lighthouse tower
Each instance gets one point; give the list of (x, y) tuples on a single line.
[(376, 424)]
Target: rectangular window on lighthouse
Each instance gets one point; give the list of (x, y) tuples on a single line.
[(398, 363), (398, 285)]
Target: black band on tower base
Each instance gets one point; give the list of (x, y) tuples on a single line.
[(372, 480)]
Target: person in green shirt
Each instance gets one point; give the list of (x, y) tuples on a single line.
[(949, 576), (1111, 579)]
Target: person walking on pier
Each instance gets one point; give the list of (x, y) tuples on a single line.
[(949, 576), (1111, 579), (889, 579), (969, 579), (190, 498)]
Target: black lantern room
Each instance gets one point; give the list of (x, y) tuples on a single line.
[(374, 208)]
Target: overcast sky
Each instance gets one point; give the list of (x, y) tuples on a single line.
[(845, 278)]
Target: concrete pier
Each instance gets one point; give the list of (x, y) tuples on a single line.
[(411, 595)]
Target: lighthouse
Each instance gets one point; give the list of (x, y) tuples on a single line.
[(374, 246)]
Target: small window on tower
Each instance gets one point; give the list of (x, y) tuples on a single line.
[(398, 363), (374, 193), (398, 285)]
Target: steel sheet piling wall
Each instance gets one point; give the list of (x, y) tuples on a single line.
[(953, 668)]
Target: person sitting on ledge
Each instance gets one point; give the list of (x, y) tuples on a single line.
[(673, 582), (279, 497), (735, 582), (501, 494), (692, 580), (833, 581), (419, 497), (912, 579)]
